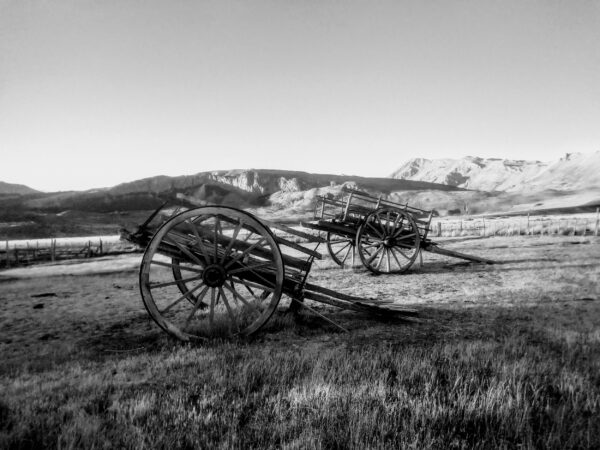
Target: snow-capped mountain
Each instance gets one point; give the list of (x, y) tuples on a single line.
[(573, 172)]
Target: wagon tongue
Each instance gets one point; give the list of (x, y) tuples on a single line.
[(141, 236)]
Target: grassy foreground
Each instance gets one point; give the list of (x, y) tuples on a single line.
[(482, 377)]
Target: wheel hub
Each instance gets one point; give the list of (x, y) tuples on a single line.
[(214, 275), (389, 242)]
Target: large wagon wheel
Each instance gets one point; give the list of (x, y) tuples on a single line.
[(341, 248), (388, 241), (228, 266)]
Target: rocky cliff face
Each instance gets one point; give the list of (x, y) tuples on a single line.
[(573, 172), (260, 182)]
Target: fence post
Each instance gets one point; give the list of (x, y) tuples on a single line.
[(100, 248), (7, 255), (52, 249), (527, 232), (483, 227), (439, 229), (597, 221)]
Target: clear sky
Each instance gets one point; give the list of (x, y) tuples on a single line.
[(97, 92)]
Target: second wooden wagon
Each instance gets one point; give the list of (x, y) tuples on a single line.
[(387, 236)]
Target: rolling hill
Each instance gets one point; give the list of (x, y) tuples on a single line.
[(15, 189), (278, 194), (241, 188)]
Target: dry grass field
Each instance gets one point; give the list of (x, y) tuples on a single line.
[(502, 356)]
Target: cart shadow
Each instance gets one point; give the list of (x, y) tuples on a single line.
[(133, 335), (481, 323), (500, 266)]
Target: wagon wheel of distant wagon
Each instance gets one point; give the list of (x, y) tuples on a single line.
[(388, 241), (342, 249), (211, 271)]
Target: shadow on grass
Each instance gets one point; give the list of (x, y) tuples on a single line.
[(499, 266)]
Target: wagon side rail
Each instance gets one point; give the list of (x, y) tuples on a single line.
[(345, 215), (380, 202), (365, 202)]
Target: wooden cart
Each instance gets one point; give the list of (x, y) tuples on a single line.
[(217, 270), (387, 236)]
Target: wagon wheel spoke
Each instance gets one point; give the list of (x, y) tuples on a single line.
[(399, 226), (249, 268), (380, 258), (245, 252), (213, 302), (387, 254), (395, 224), (218, 232), (189, 254), (242, 299), (229, 311), (396, 258), (262, 297), (197, 306), (378, 220), (184, 296), (192, 225), (375, 230), (387, 224), (251, 284), (374, 255), (341, 241), (340, 247), (173, 283), (177, 266), (236, 232), (260, 279), (347, 254), (406, 237), (402, 253), (246, 238), (374, 244)]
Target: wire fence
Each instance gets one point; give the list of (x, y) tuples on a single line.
[(574, 225), (27, 252)]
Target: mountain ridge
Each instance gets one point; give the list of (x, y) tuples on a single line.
[(575, 171), (238, 187)]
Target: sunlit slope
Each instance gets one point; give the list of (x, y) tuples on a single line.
[(573, 172)]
